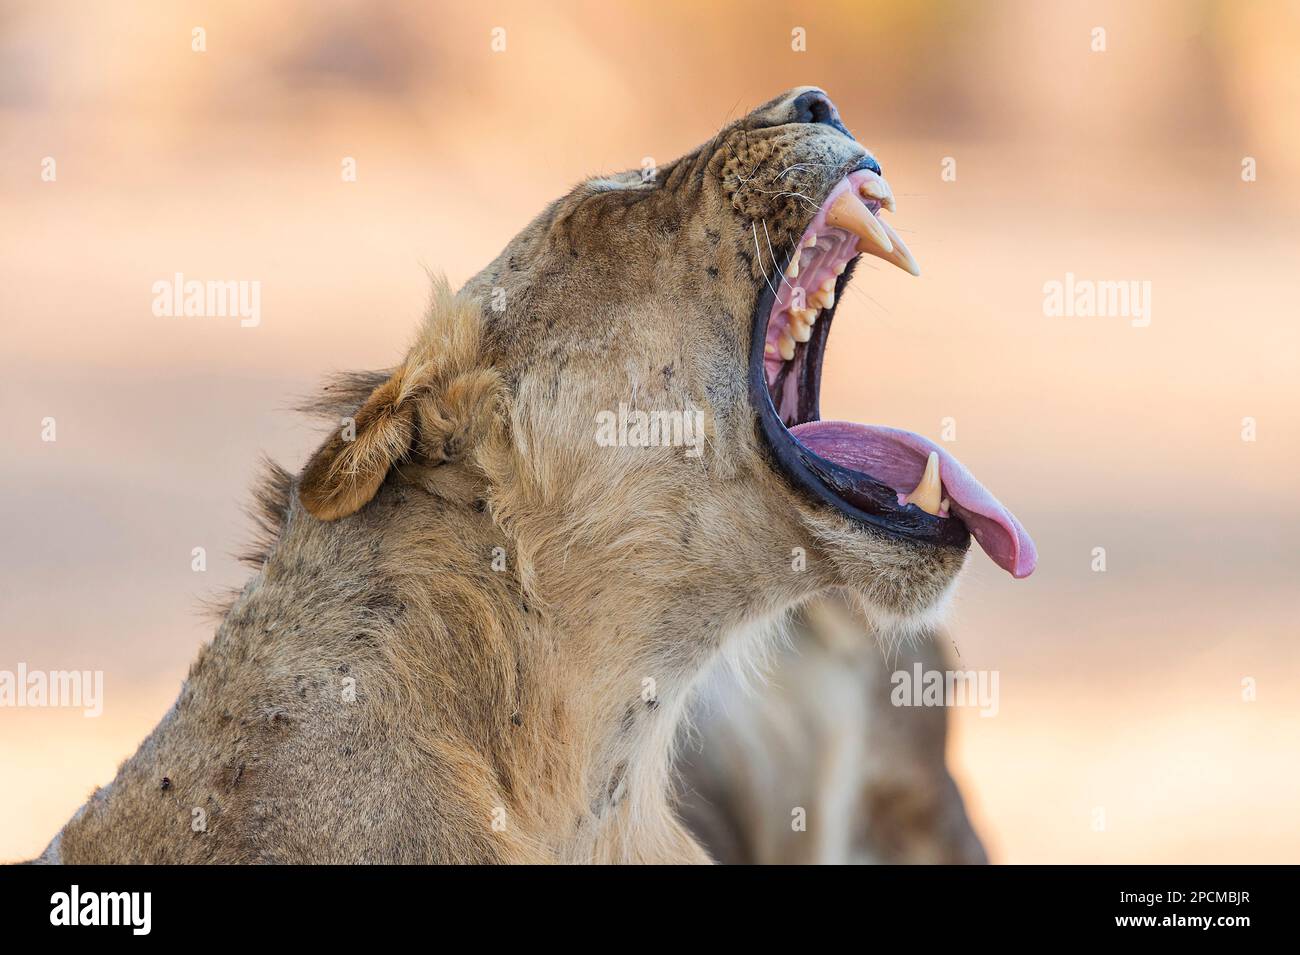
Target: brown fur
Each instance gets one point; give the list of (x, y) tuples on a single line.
[(822, 735), (500, 588)]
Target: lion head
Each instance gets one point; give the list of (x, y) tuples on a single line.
[(638, 402)]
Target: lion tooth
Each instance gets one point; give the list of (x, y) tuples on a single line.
[(899, 255), (929, 493), (848, 213), (879, 189), (828, 293), (785, 345)]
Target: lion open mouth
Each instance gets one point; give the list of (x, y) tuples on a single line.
[(894, 480)]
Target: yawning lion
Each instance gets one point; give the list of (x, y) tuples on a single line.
[(476, 627)]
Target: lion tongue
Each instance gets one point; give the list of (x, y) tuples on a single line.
[(898, 458)]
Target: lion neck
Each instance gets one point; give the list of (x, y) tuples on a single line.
[(558, 692)]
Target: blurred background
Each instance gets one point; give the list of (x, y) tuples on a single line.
[(1121, 690)]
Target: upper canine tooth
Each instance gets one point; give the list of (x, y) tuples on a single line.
[(900, 254), (848, 213), (879, 189), (928, 495)]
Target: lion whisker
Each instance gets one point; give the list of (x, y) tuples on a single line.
[(802, 165), (773, 254), (759, 252)]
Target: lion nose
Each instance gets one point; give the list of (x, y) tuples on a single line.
[(814, 106)]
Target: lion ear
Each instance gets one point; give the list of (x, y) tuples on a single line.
[(433, 410), (347, 471)]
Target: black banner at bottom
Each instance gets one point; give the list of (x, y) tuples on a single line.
[(1176, 903)]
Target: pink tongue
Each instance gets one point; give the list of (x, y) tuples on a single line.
[(897, 458)]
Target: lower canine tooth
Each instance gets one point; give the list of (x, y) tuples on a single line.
[(785, 345), (928, 495)]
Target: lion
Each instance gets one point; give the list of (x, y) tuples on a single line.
[(475, 628), (815, 765)]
